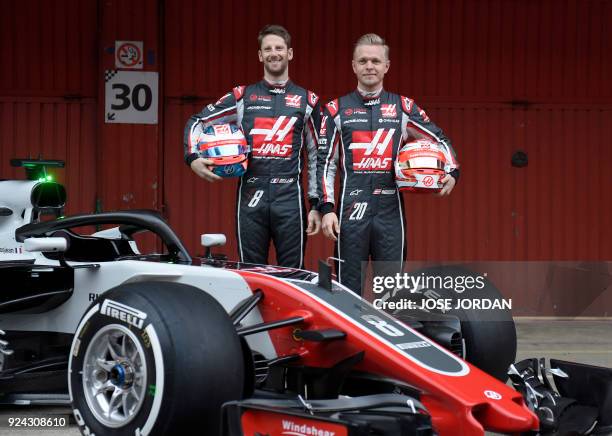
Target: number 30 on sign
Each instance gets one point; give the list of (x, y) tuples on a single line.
[(130, 97)]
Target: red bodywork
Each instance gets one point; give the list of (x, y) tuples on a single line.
[(458, 404), (280, 424)]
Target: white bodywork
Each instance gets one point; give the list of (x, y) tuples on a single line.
[(14, 195), (227, 287)]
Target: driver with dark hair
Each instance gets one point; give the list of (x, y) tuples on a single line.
[(281, 121)]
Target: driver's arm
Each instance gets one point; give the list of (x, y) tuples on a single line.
[(228, 109)]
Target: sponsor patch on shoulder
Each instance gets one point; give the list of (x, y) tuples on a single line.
[(407, 104), (332, 107), (222, 98), (239, 92), (124, 313), (312, 98)]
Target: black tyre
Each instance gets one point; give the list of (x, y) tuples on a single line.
[(154, 358), (489, 334)]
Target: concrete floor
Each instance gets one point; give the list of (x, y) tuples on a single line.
[(581, 340)]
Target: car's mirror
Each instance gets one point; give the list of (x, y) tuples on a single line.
[(213, 239), (45, 245)]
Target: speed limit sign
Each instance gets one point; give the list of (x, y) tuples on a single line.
[(130, 97)]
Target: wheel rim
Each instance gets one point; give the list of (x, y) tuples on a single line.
[(114, 375)]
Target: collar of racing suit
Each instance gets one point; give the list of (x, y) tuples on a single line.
[(367, 101), (272, 85), (369, 95)]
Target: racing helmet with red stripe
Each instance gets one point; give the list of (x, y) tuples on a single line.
[(420, 166), (226, 146)]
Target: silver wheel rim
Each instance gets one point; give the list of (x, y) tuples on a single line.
[(114, 375)]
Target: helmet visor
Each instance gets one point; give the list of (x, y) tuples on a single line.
[(421, 162), (222, 150)]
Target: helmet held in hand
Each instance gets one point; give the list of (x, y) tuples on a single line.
[(420, 166), (226, 146)]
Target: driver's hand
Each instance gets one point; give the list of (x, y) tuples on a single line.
[(449, 183), (314, 222), (200, 166), (330, 226)]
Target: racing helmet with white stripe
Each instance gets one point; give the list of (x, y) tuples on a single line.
[(226, 146), (420, 166)]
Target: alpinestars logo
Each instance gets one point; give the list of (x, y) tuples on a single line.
[(273, 137), (312, 98), (371, 150)]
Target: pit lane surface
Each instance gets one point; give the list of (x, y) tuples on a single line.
[(581, 340)]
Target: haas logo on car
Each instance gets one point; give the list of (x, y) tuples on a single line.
[(272, 137), (371, 150)]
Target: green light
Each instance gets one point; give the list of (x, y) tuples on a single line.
[(49, 178), (42, 179)]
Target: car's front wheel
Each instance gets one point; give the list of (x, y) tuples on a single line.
[(154, 358)]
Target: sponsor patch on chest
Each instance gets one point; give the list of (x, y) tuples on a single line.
[(273, 137), (388, 110), (372, 151), (293, 100)]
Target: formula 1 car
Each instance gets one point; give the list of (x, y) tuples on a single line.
[(155, 344)]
